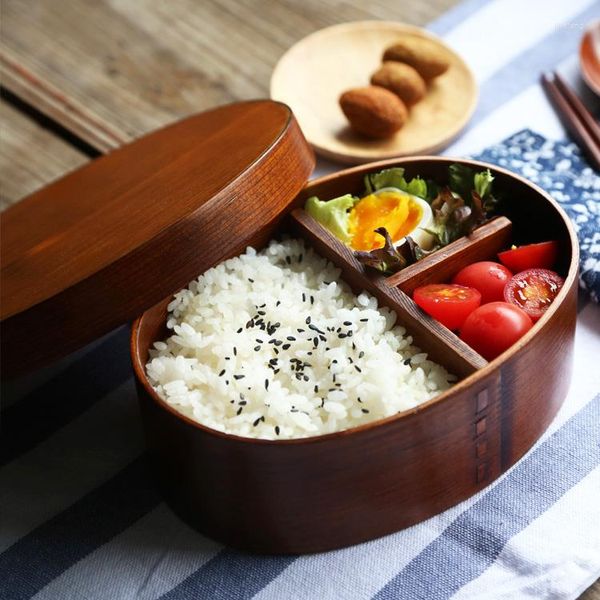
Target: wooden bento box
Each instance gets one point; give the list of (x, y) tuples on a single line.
[(284, 496)]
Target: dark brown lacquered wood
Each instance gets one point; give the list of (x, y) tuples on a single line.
[(96, 248), (483, 244), (338, 489)]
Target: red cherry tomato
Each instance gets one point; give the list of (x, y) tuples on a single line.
[(449, 304), (533, 291), (532, 256), (493, 328), (489, 278)]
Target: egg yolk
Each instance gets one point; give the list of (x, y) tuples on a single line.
[(398, 213)]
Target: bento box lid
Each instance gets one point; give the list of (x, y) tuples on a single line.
[(96, 248)]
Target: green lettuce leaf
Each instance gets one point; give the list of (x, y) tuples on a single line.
[(332, 214), (483, 183), (461, 180), (394, 177)]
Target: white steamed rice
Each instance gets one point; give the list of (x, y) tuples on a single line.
[(273, 345)]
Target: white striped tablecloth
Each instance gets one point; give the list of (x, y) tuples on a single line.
[(80, 518)]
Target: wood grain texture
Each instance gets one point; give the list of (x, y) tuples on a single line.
[(333, 490), (30, 155), (123, 68), (95, 249)]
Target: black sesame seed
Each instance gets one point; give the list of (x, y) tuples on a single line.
[(239, 376), (277, 429), (278, 342), (228, 358), (407, 361), (300, 330), (316, 341), (285, 346), (364, 320), (259, 340), (359, 399), (258, 421), (262, 313), (239, 411), (222, 373), (358, 368), (273, 361), (242, 402), (347, 323), (306, 378), (290, 338), (316, 389), (249, 324), (250, 280), (256, 348), (353, 346), (266, 384), (275, 350), (350, 334), (322, 338), (307, 320), (303, 297), (234, 351), (365, 410), (227, 382), (342, 335), (312, 299), (361, 354), (278, 303), (240, 330)]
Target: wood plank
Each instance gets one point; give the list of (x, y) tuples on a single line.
[(113, 70), (30, 155), (592, 593)]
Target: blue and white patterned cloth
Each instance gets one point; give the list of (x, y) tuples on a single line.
[(79, 515), (559, 168)]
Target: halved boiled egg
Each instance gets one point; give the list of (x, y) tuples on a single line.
[(400, 213)]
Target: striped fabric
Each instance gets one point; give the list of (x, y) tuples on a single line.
[(80, 518)]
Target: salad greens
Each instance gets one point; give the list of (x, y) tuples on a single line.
[(332, 214), (459, 207), (394, 177)]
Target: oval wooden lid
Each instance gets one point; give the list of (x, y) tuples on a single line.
[(98, 247)]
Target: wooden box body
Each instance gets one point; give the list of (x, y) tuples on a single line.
[(316, 494)]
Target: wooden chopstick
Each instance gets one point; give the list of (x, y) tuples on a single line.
[(574, 116)]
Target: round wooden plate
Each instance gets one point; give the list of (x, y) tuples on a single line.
[(313, 73), (589, 56)]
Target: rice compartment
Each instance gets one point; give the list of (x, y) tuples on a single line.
[(274, 345)]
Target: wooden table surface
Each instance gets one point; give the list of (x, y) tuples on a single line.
[(80, 78)]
